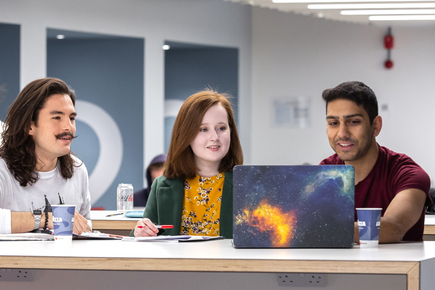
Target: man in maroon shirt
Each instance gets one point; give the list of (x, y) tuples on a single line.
[(383, 178)]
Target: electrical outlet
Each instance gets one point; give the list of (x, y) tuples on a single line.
[(301, 280), (16, 275)]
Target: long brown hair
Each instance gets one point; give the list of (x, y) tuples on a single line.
[(17, 147), (180, 162)]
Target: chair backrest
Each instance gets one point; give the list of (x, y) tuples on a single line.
[(431, 208)]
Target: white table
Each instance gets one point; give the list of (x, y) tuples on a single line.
[(114, 225), (415, 261)]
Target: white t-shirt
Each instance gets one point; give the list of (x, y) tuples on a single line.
[(14, 197)]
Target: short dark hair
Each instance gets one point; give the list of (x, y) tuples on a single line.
[(17, 147), (357, 92), (156, 166)]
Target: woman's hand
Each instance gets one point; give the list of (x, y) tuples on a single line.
[(145, 228)]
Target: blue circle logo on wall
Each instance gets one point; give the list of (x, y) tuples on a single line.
[(111, 147)]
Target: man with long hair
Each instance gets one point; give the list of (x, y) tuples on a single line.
[(37, 167)]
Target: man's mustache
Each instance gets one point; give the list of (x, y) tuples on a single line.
[(61, 135)]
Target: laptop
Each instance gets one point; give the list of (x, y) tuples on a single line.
[(293, 206)]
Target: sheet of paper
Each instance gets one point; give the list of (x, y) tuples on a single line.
[(202, 239), (153, 239), (96, 235), (179, 238), (27, 237)]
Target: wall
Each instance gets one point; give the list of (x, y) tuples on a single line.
[(291, 55), (206, 22), (188, 71), (108, 74), (9, 65), (295, 55)]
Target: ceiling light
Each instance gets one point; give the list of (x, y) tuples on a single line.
[(166, 47), (344, 1), (60, 36), (371, 6), (388, 12), (401, 17)]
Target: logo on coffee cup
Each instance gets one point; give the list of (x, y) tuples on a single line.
[(57, 219)]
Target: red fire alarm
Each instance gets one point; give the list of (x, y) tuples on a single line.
[(388, 63), (389, 41), (388, 44)]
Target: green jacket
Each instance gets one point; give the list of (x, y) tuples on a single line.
[(165, 204)]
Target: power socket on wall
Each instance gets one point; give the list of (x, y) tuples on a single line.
[(301, 280), (16, 275)]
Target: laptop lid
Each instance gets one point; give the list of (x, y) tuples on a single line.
[(293, 206)]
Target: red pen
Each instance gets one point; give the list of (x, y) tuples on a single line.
[(159, 227)]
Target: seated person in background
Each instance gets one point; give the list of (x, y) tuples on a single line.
[(154, 170), (195, 193), (36, 163), (383, 178)]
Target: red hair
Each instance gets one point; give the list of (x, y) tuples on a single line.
[(180, 162)]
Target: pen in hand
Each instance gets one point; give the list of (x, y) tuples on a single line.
[(159, 227), (113, 214)]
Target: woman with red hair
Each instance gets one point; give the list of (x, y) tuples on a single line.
[(195, 193)]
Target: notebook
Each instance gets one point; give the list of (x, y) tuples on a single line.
[(293, 206)]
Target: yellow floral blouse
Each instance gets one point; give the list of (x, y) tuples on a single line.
[(202, 205)]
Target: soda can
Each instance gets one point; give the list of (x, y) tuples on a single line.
[(124, 197)]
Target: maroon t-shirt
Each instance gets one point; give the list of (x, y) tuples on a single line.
[(392, 173)]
